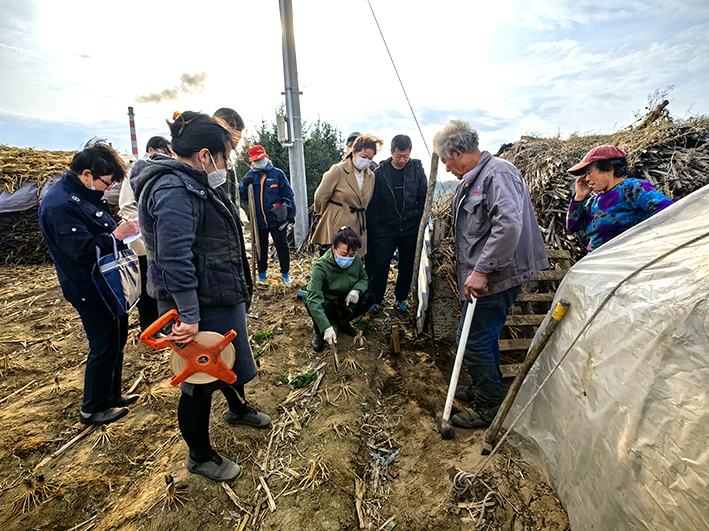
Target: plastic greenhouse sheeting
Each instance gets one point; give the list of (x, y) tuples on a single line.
[(622, 427), (23, 199)]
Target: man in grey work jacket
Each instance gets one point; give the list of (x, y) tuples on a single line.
[(498, 246)]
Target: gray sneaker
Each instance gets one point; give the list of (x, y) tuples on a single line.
[(253, 418), (217, 468)]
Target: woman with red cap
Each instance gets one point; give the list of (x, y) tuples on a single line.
[(607, 201), (275, 209)]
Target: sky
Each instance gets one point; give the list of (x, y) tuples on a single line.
[(69, 69)]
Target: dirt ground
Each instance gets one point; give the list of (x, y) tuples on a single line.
[(362, 452)]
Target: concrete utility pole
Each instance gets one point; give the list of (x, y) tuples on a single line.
[(296, 157)]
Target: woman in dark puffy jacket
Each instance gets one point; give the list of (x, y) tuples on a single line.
[(196, 260)]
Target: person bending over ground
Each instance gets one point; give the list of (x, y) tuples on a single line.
[(337, 292)]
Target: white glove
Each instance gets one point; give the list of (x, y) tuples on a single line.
[(352, 297), (330, 335)]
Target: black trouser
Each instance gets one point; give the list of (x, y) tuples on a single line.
[(147, 306), (337, 314), (280, 240), (369, 260), (104, 365), (385, 244), (193, 416)]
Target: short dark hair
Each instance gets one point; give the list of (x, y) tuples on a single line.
[(158, 142), (230, 117), (366, 142), (347, 236), (400, 142), (100, 159), (194, 131), (618, 165)]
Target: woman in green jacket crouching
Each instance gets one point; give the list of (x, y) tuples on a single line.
[(338, 289)]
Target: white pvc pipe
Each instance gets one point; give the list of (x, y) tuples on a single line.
[(459, 358)]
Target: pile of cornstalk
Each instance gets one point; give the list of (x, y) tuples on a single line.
[(19, 166)]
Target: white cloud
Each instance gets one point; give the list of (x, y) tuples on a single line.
[(557, 46), (509, 67)]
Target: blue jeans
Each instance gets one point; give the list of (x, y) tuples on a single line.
[(482, 350), (104, 366)]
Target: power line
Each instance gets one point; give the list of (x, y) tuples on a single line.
[(399, 77)]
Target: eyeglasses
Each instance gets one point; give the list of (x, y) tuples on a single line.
[(109, 185)]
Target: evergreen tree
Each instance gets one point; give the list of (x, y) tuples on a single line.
[(322, 146)]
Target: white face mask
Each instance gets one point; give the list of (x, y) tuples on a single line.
[(260, 164), (217, 177), (360, 163)]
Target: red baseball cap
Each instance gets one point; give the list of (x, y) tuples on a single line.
[(598, 153), (256, 153)]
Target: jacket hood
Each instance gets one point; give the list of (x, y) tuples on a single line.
[(158, 167)]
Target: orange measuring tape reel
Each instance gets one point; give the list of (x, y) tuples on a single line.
[(202, 360)]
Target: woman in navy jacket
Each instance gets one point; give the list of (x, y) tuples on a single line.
[(275, 209), (75, 221)]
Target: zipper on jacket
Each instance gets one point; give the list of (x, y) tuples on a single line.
[(263, 181), (403, 202)]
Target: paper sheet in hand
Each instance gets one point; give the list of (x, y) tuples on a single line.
[(129, 239)]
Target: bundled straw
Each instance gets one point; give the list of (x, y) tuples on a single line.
[(18, 166)]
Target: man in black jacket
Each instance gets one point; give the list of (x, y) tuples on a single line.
[(393, 217)]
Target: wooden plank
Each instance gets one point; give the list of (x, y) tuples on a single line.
[(510, 370), (551, 274), (521, 320), (395, 344), (557, 254), (535, 297), (515, 344)]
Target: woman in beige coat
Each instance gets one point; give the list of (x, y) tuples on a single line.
[(345, 192)]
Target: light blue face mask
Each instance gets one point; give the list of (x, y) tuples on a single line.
[(343, 261), (260, 164)]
